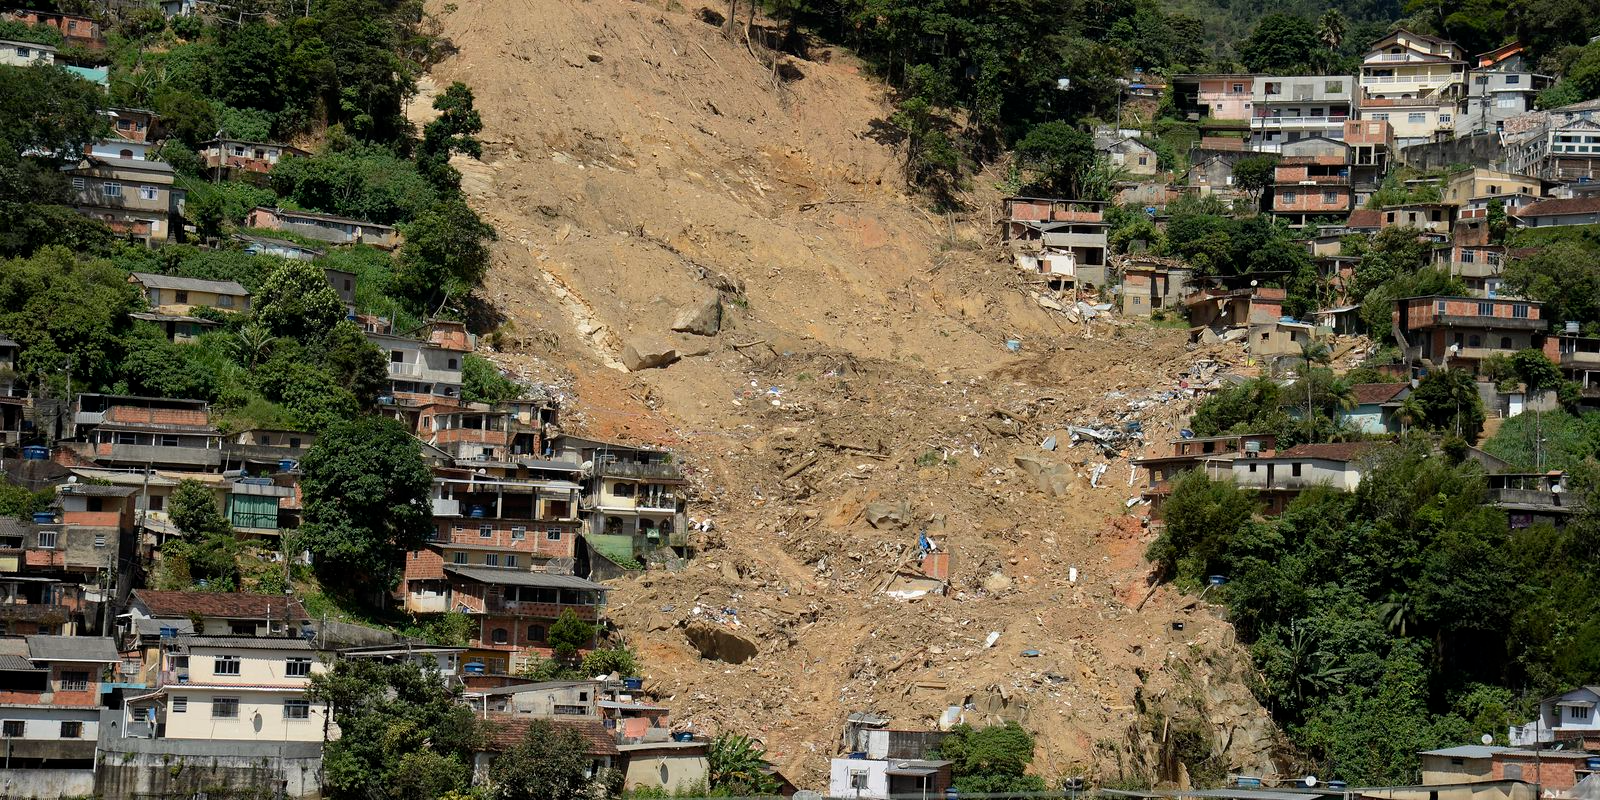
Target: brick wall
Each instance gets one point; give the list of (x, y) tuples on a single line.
[(157, 416), (424, 565)]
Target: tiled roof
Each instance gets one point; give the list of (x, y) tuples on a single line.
[(1332, 451), (1364, 218), (154, 281), (1375, 393), (517, 577), (1576, 205), (227, 605), (506, 732), (248, 642)]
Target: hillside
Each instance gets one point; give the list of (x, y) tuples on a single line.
[(637, 162)]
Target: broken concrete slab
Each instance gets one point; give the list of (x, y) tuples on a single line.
[(720, 644), (648, 353), (701, 319), (885, 514)]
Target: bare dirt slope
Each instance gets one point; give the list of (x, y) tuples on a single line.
[(636, 162)]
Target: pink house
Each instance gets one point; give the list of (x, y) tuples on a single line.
[(1217, 96)]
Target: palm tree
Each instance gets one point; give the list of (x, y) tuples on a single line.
[(736, 763), (251, 344), (1311, 353), (1409, 413), (1396, 611), (1330, 29)]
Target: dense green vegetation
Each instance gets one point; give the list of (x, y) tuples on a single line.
[(1402, 617), (993, 759)]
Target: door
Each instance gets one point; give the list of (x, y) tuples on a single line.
[(1271, 468)]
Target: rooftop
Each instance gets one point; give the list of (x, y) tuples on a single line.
[(174, 282), (72, 648), (507, 576), (249, 642), (226, 605), (1332, 451), (506, 732), (1367, 394), (289, 212), (1575, 205)]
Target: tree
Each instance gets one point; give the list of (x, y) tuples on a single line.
[(1330, 29), (1535, 441), (404, 734), (992, 759), (568, 635), (1254, 175), (1279, 44), (1450, 403), (1565, 276), (481, 382), (445, 255), (297, 301), (550, 763), (66, 312), (366, 501), (155, 367), (1312, 353), (48, 110), (1058, 155), (736, 766), (1201, 517), (455, 131), (193, 509), (1499, 224), (361, 367), (605, 661), (208, 552), (354, 179)]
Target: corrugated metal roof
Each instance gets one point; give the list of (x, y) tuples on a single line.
[(154, 281), (248, 642), (1464, 751), (72, 648), (17, 664)]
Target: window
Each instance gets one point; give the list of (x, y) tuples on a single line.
[(13, 728), (500, 636), (485, 531), (535, 633), (460, 558), (111, 189), (397, 357), (1439, 308), (78, 184), (99, 540), (1380, 118), (225, 665), (72, 730), (124, 124), (1519, 311), (1289, 198), (297, 709), (620, 489), (180, 704), (511, 560), (225, 301), (169, 440), (47, 540), (518, 533), (1294, 470), (1484, 309), (347, 284), (1578, 712), (451, 364), (1143, 160), (1444, 118), (1513, 80), (225, 708), (158, 502), (241, 629), (1329, 198), (1505, 343), (147, 192), (74, 681), (1416, 118), (553, 535), (858, 780), (491, 559), (297, 667), (1468, 257), (1238, 88)]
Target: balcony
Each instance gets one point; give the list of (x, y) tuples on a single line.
[(1487, 323), (159, 454), (446, 508), (1299, 122), (405, 369), (1580, 360), (634, 469), (427, 604)]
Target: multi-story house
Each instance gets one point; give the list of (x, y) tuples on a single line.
[(1149, 286), (1371, 143), (1463, 331), (1214, 454), (134, 198), (142, 432), (1222, 96), (260, 451), (1429, 218), (1556, 212), (325, 227), (423, 371), (1312, 180), (1470, 256), (1479, 182), (633, 499), (478, 433), (1578, 357), (1562, 144), (1279, 477), (233, 688), (50, 700), (230, 157), (26, 54), (217, 613), (1501, 85), (1062, 240), (31, 602), (1570, 715), (1414, 82), (132, 135), (512, 611), (1291, 108)]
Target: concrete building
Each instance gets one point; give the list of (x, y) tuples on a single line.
[(1556, 212), (633, 501), (1488, 183), (1150, 286), (1564, 716), (233, 688), (325, 227), (1434, 218), (169, 294), (76, 29), (1279, 477), (512, 610), (49, 700), (1371, 148), (1219, 96), (1502, 84), (1126, 152), (142, 432), (881, 779), (428, 370), (668, 766), (1062, 240), (133, 198), (1414, 82), (1462, 331), (26, 54), (1312, 181), (1213, 454), (229, 157), (1374, 411), (1290, 108), (223, 613), (1562, 144), (132, 135)]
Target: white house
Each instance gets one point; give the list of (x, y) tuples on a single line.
[(234, 688), (25, 54), (1551, 213), (1562, 716)]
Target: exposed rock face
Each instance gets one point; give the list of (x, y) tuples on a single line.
[(702, 319), (719, 643), (645, 353)]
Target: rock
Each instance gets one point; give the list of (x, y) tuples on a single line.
[(1051, 477), (884, 514), (644, 353), (720, 644), (1209, 336), (702, 319), (1048, 302), (997, 582)]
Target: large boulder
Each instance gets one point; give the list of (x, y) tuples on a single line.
[(720, 644), (648, 353), (1052, 477), (887, 514), (702, 319)]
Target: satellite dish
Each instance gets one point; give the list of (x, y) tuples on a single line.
[(1311, 781), (1487, 738)]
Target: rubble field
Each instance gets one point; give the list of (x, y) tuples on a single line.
[(701, 250)]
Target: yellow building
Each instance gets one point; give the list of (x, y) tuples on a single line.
[(169, 294)]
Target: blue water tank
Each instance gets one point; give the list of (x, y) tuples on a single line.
[(1216, 580), (35, 452), (1338, 785), (473, 667), (682, 737), (286, 465), (44, 517), (859, 755), (633, 684)]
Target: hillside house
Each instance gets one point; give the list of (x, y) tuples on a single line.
[(76, 29), (1501, 84), (1371, 147), (133, 198), (170, 294), (1488, 183), (14, 395), (1413, 82), (423, 371), (1578, 357), (132, 135), (1214, 454), (1126, 152), (141, 432), (1374, 410), (32, 602), (1438, 330), (512, 610), (223, 613), (1037, 226), (633, 499), (1312, 181), (50, 692), (1565, 716), (260, 451), (545, 699), (233, 688), (505, 733), (1530, 498), (1557, 212), (1364, 220), (1212, 173), (1293, 107), (228, 158), (1562, 144), (1217, 96), (881, 779), (1149, 286), (1429, 218), (325, 227), (1470, 257), (282, 248), (1279, 477), (26, 54), (1235, 308), (669, 766)]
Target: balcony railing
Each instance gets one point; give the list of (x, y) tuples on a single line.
[(634, 469), (1290, 122), (407, 369)]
